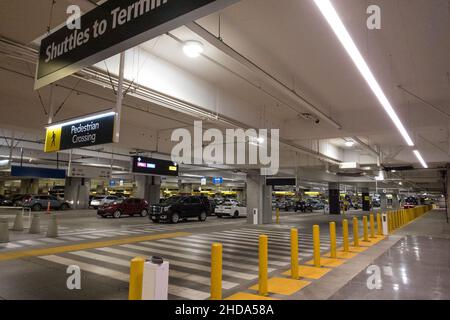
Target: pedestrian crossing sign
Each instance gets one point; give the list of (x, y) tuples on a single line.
[(53, 139)]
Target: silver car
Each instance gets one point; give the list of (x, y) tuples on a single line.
[(99, 201)]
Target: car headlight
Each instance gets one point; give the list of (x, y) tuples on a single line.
[(166, 209)]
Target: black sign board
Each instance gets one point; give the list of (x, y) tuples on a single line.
[(113, 27), (85, 132), (155, 167), (281, 181)]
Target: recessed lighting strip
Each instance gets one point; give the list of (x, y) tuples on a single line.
[(335, 22), (419, 157)]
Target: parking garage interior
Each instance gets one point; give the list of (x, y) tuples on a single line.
[(347, 100)]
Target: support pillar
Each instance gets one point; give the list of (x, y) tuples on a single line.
[(333, 198), (29, 186), (100, 188), (395, 201), (365, 199), (148, 188), (2, 188), (76, 192), (383, 201), (259, 197)]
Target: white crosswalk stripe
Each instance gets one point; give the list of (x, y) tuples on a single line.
[(183, 264), (172, 273), (182, 292)]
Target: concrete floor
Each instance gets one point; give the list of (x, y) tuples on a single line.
[(105, 269)]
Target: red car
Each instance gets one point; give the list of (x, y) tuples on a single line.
[(130, 207)]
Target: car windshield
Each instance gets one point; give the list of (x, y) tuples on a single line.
[(99, 198), (172, 200)]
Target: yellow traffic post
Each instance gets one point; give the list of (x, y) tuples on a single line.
[(365, 229), (372, 226), (379, 226), (316, 241), (355, 232), (333, 253), (294, 253), (263, 265), (278, 215), (136, 279), (216, 271), (345, 235)]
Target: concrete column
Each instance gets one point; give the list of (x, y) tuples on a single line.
[(383, 201), (395, 201), (365, 199), (29, 186), (333, 198), (185, 188), (2, 188), (259, 196), (76, 192), (100, 188), (148, 188)]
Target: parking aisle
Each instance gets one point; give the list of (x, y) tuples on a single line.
[(189, 258)]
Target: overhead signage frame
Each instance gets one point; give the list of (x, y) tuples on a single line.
[(91, 130), (156, 167), (111, 28)]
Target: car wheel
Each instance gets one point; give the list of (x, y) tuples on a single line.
[(36, 207), (64, 207), (175, 217), (202, 216), (236, 214), (144, 213), (117, 214)]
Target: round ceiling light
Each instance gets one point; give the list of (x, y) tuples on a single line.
[(193, 48), (349, 144)]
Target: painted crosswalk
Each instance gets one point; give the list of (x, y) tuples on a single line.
[(85, 234), (189, 258)]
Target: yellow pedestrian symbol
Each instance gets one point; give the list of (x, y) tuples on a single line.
[(53, 139)]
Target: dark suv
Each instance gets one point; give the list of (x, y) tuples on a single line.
[(179, 208)]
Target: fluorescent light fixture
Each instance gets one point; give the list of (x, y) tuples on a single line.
[(333, 19), (87, 118), (419, 157), (193, 48), (349, 165), (4, 162)]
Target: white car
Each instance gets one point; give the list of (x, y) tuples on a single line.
[(230, 208), (102, 200)]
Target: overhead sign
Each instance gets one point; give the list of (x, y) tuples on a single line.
[(88, 131), (113, 27), (217, 180), (78, 171), (35, 172), (156, 167), (203, 181), (281, 181)]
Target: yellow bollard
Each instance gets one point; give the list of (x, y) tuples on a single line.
[(316, 241), (355, 232), (136, 278), (379, 226), (365, 229), (333, 253), (216, 271), (294, 253), (372, 226), (278, 215), (345, 235), (263, 265)]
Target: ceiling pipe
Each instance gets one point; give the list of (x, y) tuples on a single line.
[(366, 146), (222, 46)]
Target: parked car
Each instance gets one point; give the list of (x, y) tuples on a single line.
[(230, 208), (99, 201), (316, 204), (17, 200), (5, 201), (285, 205), (40, 202), (129, 207), (179, 208), (303, 206)]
